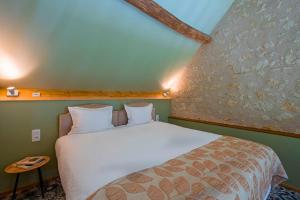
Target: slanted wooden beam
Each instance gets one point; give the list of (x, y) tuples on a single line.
[(156, 11)]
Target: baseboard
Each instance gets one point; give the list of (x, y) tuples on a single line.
[(290, 187), (27, 188)]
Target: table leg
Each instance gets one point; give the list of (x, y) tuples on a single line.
[(15, 187), (41, 182)]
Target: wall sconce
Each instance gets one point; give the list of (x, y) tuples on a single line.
[(166, 92), (12, 92)]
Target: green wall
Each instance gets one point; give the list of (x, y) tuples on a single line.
[(98, 44), (89, 45), (17, 119), (287, 148)]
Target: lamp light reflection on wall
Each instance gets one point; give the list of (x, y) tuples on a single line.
[(8, 67), (172, 84), (12, 92)]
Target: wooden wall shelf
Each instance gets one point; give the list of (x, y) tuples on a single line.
[(63, 95), (263, 130)]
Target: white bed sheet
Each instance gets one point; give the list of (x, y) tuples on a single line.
[(87, 162)]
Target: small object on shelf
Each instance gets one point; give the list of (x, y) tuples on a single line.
[(36, 94), (12, 92)]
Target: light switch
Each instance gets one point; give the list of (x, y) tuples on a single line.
[(36, 135), (157, 117)]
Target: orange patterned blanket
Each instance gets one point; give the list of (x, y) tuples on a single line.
[(227, 168)]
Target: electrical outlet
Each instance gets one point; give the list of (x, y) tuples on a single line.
[(36, 135), (157, 117)]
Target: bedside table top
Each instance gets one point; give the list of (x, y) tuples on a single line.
[(13, 169)]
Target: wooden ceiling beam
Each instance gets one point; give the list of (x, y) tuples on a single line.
[(156, 11)]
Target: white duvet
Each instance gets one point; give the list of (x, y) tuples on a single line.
[(89, 161)]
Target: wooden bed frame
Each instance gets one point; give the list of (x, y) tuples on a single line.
[(119, 117)]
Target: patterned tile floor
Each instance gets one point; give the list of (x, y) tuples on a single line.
[(54, 191)]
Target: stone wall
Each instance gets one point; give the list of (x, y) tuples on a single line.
[(250, 74)]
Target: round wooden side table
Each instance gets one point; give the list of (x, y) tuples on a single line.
[(13, 169)]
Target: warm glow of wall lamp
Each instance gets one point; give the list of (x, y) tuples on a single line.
[(171, 85)]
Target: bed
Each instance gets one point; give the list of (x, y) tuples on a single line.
[(110, 164)]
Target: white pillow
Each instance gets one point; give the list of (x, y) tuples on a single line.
[(87, 120), (139, 115)]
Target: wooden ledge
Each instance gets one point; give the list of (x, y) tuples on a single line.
[(263, 130), (62, 95)]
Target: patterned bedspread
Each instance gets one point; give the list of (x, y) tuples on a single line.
[(227, 168)]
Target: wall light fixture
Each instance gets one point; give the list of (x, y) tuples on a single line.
[(166, 92), (12, 92)]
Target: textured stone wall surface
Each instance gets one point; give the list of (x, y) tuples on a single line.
[(250, 74)]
